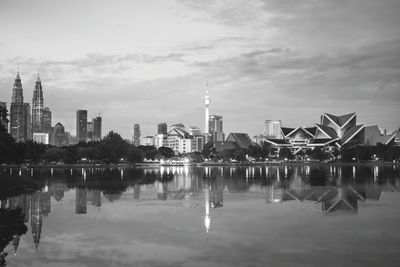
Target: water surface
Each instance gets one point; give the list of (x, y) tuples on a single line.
[(204, 216)]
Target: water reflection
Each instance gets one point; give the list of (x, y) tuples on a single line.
[(334, 188)]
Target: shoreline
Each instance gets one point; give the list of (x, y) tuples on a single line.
[(203, 164)]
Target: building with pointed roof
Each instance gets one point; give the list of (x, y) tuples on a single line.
[(20, 116), (332, 131), (37, 107)]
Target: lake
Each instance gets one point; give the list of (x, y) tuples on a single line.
[(203, 216)]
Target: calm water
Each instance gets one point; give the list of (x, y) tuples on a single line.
[(217, 216)]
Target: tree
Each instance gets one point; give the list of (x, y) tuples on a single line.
[(134, 155), (54, 154), (285, 152), (166, 152), (114, 147)]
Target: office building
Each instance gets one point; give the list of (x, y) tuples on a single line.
[(136, 135), (59, 135), (20, 117), (162, 128), (37, 107), (4, 114), (89, 131), (272, 129), (193, 130), (46, 120), (96, 128), (215, 128), (41, 138), (81, 125)]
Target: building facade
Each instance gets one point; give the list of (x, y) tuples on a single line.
[(162, 128), (97, 128), (81, 125), (20, 117), (37, 107), (4, 115), (59, 135), (215, 131), (46, 120), (272, 129), (136, 135)]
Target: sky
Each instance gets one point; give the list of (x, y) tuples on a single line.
[(148, 62)]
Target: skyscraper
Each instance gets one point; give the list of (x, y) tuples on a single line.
[(81, 125), (37, 107), (89, 130), (3, 114), (46, 120), (59, 135), (136, 134), (20, 117), (162, 128), (216, 128), (96, 128), (272, 129)]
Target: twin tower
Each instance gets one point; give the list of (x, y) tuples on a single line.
[(22, 125)]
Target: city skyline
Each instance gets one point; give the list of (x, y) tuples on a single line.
[(148, 62)]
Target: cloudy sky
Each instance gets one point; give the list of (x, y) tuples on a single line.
[(148, 61)]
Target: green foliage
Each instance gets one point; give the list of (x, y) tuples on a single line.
[(285, 153), (134, 155), (166, 152), (54, 154)]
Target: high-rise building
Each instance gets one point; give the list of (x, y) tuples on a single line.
[(20, 117), (59, 135), (46, 120), (42, 138), (96, 128), (3, 114), (193, 130), (216, 128), (162, 128), (136, 134), (37, 107), (89, 130), (81, 125), (272, 129)]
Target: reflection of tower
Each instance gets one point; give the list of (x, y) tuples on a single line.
[(15, 243), (36, 218), (207, 102), (46, 203), (80, 201), (136, 191), (216, 194), (207, 219)]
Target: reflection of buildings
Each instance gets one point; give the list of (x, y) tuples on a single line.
[(36, 218), (80, 201), (94, 197), (216, 195)]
